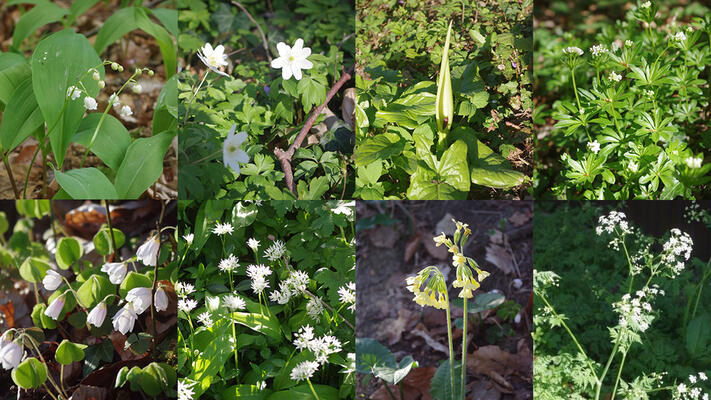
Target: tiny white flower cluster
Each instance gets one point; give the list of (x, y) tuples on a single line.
[(294, 285), (693, 162), (275, 251), (573, 50), (258, 274), (629, 43), (615, 76), (222, 229), (677, 250), (691, 391), (694, 213), (635, 311), (679, 37), (304, 370), (346, 294), (314, 308), (321, 347), (614, 222), (646, 4), (594, 146), (598, 49), (229, 264), (633, 166)]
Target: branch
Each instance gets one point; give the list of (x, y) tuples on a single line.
[(259, 28), (285, 156)]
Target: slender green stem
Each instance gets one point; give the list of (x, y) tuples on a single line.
[(451, 345), (234, 331), (312, 388), (27, 175), (629, 265), (187, 109), (660, 54), (464, 350), (46, 388), (35, 346), (211, 156), (111, 231), (387, 388), (601, 378), (619, 373), (9, 175), (575, 88)]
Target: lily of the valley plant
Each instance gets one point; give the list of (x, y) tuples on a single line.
[(430, 289)]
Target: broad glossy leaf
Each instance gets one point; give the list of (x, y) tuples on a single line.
[(69, 251), (41, 14), (94, 290), (165, 41), (22, 116), (379, 147), (303, 392), (449, 180), (14, 69), (86, 183), (369, 352), (30, 374), (142, 165), (68, 352), (265, 324), (118, 24), (58, 62), (165, 114), (394, 374), (34, 269), (80, 6), (111, 141)]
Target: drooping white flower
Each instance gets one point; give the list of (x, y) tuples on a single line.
[(52, 280), (189, 238), (160, 300), (304, 370), (615, 77), (55, 308), (573, 50), (232, 153), (114, 100), (10, 355), (116, 271), (148, 252), (89, 103), (126, 112), (137, 88), (73, 92), (140, 299), (101, 84), (97, 315), (187, 305), (234, 302), (124, 319), (95, 74), (229, 264), (221, 229), (253, 244), (213, 58), (594, 146), (292, 60)]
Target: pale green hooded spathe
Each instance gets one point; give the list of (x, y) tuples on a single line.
[(444, 108)]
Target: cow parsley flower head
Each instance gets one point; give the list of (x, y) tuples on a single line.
[(692, 390), (614, 222), (213, 58), (222, 229), (229, 264), (594, 146), (232, 153), (635, 312), (304, 370), (275, 251), (292, 60), (676, 251)]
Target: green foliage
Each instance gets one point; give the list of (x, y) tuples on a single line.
[(399, 143), (30, 374), (68, 352)]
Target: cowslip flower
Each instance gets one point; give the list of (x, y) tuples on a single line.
[(148, 252), (10, 355), (97, 315), (139, 298), (55, 308), (160, 299), (89, 103), (116, 271), (292, 60), (232, 153), (52, 280), (221, 229), (304, 370), (213, 58), (124, 319)]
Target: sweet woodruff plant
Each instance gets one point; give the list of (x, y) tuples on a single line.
[(430, 289)]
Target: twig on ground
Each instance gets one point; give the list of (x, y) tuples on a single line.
[(285, 156), (259, 28)]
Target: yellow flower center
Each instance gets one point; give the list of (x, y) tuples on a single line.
[(232, 149), (291, 58)]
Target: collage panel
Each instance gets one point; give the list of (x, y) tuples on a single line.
[(267, 300), (266, 99), (88, 100), (620, 307), (411, 330), (622, 97), (87, 300), (444, 99)]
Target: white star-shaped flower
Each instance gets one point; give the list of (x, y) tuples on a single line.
[(213, 58), (232, 153), (292, 59)]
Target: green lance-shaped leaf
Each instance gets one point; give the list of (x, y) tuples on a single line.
[(444, 107)]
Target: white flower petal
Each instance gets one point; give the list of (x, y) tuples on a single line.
[(286, 72), (298, 45), (304, 64), (296, 70), (240, 137), (305, 52), (241, 156), (279, 62), (283, 49)]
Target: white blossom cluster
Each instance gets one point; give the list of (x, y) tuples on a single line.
[(314, 308), (321, 347), (183, 289), (234, 302), (691, 391), (346, 294), (677, 251), (185, 389), (636, 313), (573, 50), (598, 49), (294, 285), (275, 251), (258, 274), (229, 264), (222, 229), (304, 370), (694, 213), (613, 222)]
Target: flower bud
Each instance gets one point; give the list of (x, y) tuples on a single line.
[(114, 66), (97, 315), (52, 280), (55, 308), (160, 300)]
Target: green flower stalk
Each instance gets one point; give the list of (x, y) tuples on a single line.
[(434, 293), (444, 106)]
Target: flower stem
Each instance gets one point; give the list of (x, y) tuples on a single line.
[(464, 350), (312, 388), (9, 175), (619, 372), (607, 368), (187, 109), (575, 88), (451, 345)]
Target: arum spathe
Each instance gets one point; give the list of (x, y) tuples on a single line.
[(444, 107)]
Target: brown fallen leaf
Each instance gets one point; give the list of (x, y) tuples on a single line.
[(498, 364), (85, 392), (496, 237), (446, 225), (119, 341), (482, 390), (348, 107), (412, 245), (415, 386), (8, 310), (520, 218), (439, 253), (501, 258), (434, 344), (392, 328), (384, 236)]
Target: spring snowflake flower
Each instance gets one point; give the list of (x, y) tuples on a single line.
[(205, 319), (52, 280), (615, 77), (116, 271), (304, 370), (73, 92), (186, 305), (124, 319), (55, 308), (346, 295), (598, 49), (314, 308), (222, 229), (234, 302), (292, 60), (185, 390), (253, 244), (213, 58), (139, 298), (594, 146), (148, 252), (10, 355), (89, 103), (229, 264), (232, 153), (97, 315), (693, 162), (275, 251), (572, 50)]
